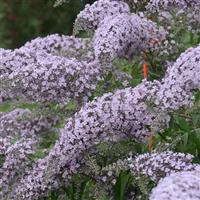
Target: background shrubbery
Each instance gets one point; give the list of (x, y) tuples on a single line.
[(23, 20)]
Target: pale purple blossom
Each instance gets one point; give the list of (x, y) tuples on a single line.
[(158, 165), (124, 35), (186, 11), (16, 163), (180, 81), (157, 5), (39, 76), (91, 16), (21, 123), (56, 44), (178, 186)]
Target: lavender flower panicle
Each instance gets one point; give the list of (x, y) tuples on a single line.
[(180, 81), (16, 163), (186, 11), (91, 16), (159, 165), (56, 44), (124, 35), (22, 126), (21, 123), (47, 78), (178, 186), (152, 165), (157, 5)]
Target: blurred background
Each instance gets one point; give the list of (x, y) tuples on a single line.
[(23, 20)]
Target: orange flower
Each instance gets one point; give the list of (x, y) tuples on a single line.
[(145, 70)]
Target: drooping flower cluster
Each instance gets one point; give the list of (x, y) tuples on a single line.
[(111, 117), (47, 78), (19, 131), (178, 186), (187, 11), (159, 165), (30, 71), (124, 35), (16, 163), (5, 57), (4, 144), (156, 5), (22, 123), (155, 166), (181, 79), (60, 44), (90, 17)]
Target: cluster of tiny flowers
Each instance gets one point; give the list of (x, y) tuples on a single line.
[(56, 44), (10, 60), (47, 78), (89, 18), (4, 61), (181, 79), (124, 114), (152, 165), (186, 11), (178, 186), (32, 71), (124, 35), (22, 123), (159, 165), (15, 164), (157, 5), (107, 177), (10, 122), (4, 144), (22, 126)]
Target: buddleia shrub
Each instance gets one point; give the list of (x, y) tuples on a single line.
[(81, 120)]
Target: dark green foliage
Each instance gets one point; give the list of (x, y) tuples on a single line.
[(23, 20)]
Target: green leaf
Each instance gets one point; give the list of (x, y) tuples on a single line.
[(4, 107), (195, 119), (182, 124), (121, 184), (185, 140)]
